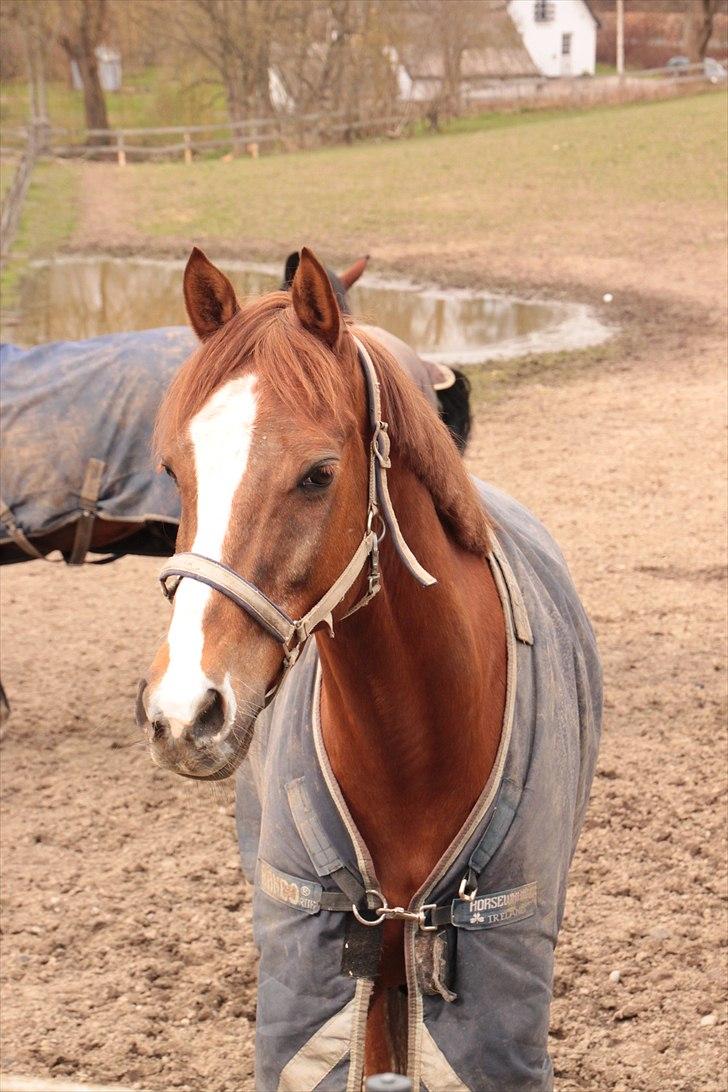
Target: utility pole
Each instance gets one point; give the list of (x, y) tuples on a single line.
[(620, 39)]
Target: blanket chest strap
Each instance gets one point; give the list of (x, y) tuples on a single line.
[(89, 496)]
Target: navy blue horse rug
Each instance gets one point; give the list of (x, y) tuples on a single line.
[(78, 411)]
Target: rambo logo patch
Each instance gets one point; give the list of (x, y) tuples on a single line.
[(301, 894)]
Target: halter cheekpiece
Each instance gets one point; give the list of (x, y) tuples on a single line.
[(291, 633)]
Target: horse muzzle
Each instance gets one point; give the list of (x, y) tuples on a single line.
[(208, 746)]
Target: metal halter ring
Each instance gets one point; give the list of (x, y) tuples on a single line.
[(373, 514)]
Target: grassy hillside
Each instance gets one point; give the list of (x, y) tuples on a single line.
[(531, 182)]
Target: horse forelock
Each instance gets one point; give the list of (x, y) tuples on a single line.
[(266, 337)]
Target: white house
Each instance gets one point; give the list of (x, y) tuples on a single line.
[(560, 35)]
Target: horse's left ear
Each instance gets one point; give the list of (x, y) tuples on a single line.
[(209, 297), (314, 301)]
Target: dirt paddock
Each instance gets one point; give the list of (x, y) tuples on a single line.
[(127, 950)]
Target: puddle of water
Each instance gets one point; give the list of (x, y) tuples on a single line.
[(77, 297)]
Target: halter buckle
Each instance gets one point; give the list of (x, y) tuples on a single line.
[(381, 444), (375, 573)]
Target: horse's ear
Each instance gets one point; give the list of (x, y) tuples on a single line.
[(289, 271), (314, 301), (209, 296), (351, 275)]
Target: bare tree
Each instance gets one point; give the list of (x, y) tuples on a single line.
[(82, 27), (438, 33), (333, 59), (698, 27), (234, 38)]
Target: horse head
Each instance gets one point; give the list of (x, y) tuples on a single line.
[(267, 431)]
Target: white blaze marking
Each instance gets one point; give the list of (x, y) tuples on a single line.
[(221, 435)]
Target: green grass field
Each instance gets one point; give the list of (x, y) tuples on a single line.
[(47, 221), (530, 177)]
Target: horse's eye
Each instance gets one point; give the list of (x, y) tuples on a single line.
[(317, 478), (168, 470)]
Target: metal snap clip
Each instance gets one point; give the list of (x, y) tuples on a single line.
[(463, 892)]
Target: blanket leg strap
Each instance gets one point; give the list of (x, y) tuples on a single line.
[(8, 521), (89, 496)]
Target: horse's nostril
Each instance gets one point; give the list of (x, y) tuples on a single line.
[(210, 717), (159, 727)]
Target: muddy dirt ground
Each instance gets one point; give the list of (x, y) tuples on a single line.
[(126, 939)]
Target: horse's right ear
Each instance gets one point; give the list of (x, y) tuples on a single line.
[(209, 297)]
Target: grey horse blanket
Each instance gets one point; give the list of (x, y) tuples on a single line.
[(479, 985), (68, 402)]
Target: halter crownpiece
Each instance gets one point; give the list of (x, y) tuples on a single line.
[(292, 633)]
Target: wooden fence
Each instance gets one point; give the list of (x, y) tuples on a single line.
[(287, 132), (280, 133), (13, 200)]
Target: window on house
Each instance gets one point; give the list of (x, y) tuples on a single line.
[(543, 10), (565, 45)]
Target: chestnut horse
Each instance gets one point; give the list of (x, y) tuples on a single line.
[(267, 431)]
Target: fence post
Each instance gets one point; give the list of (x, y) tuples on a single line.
[(120, 153), (13, 202), (188, 149)]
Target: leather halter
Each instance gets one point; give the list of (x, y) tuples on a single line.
[(293, 633)]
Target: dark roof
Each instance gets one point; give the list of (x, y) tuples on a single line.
[(497, 51), (591, 11)]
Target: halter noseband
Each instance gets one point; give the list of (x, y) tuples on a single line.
[(292, 633)]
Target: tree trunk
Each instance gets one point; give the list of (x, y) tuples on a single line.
[(698, 28), (80, 41), (236, 109), (93, 97)]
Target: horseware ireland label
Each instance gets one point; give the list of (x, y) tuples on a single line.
[(302, 894), (499, 908)]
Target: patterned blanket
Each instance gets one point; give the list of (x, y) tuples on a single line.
[(68, 402)]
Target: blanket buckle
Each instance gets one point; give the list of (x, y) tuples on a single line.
[(385, 912)]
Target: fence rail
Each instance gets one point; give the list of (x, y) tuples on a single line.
[(283, 132), (13, 200), (288, 131)]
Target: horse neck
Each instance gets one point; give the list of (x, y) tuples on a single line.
[(412, 700)]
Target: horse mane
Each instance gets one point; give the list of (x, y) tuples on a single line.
[(308, 376), (425, 445)]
